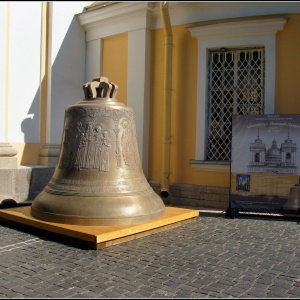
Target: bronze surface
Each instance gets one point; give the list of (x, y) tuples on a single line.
[(98, 179)]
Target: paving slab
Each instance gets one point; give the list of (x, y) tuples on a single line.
[(213, 257)]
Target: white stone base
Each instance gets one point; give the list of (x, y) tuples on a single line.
[(8, 162), (23, 183), (7, 156)]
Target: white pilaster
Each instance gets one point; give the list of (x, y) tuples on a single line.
[(93, 59), (139, 45), (3, 67)]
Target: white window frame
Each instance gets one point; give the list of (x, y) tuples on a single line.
[(249, 33)]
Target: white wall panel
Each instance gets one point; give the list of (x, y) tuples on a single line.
[(68, 63), (24, 72)]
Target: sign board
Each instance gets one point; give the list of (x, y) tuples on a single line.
[(265, 163)]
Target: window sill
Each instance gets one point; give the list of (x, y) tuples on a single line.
[(214, 166)]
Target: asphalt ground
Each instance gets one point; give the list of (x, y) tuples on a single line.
[(249, 256)]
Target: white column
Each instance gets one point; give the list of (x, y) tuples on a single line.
[(4, 10), (7, 153), (93, 59), (49, 152), (19, 77), (139, 45)]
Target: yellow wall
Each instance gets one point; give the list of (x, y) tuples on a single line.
[(184, 97), (115, 62), (288, 68), (183, 110)]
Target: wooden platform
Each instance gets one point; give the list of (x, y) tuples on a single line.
[(99, 237)]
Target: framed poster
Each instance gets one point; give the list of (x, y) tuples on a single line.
[(265, 163)]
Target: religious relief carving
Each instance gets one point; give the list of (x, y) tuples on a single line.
[(97, 144), (87, 139), (104, 158), (128, 151), (86, 146), (118, 156)]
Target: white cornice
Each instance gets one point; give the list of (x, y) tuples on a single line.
[(180, 13), (110, 13), (116, 19), (127, 16), (194, 12), (123, 17)]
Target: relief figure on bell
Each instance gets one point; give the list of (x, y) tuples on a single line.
[(66, 145), (90, 148), (86, 145), (104, 160), (80, 155), (127, 145), (70, 144), (97, 144), (75, 144)]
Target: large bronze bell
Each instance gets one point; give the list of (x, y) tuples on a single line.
[(98, 179)]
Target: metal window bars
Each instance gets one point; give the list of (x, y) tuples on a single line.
[(235, 86)]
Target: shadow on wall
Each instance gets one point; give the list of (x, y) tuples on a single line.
[(67, 78)]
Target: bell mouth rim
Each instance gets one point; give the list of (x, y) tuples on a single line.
[(113, 210), (96, 221), (98, 194)]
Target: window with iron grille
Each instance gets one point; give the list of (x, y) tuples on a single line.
[(235, 86)]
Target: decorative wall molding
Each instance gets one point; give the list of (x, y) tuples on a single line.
[(122, 17), (248, 33), (116, 19)]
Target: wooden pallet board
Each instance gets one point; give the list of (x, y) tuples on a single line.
[(99, 237)]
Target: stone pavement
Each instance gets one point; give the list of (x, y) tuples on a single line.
[(249, 256)]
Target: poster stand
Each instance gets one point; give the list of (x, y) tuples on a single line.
[(264, 167)]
